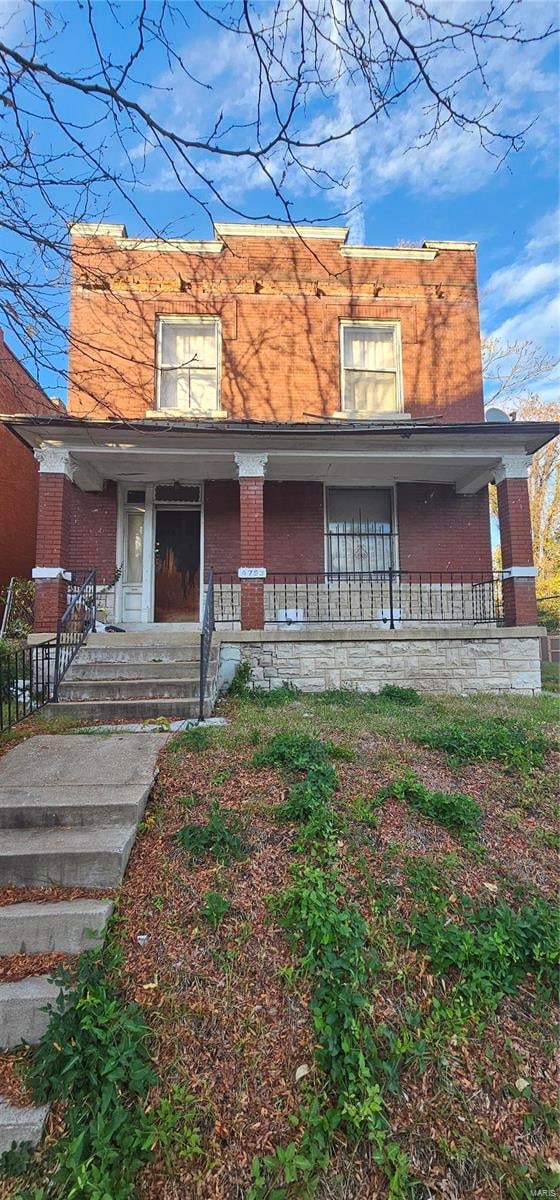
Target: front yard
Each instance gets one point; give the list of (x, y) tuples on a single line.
[(339, 924)]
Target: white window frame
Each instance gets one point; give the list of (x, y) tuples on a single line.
[(368, 323), (186, 319)]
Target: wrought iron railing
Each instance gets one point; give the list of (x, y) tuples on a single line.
[(77, 620), (25, 681), (207, 628), (385, 598)]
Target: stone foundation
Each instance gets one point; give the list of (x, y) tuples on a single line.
[(443, 661)]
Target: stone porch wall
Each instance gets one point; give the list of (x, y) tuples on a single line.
[(448, 660)]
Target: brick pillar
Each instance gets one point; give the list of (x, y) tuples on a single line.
[(520, 607), (53, 530), (251, 514)]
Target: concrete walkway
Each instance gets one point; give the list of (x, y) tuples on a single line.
[(69, 810)]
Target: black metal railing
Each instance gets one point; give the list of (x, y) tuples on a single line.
[(360, 548), (25, 681), (207, 628), (387, 597), (77, 620)]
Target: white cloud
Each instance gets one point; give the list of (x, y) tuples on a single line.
[(521, 281)]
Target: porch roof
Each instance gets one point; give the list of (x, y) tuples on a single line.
[(351, 452)]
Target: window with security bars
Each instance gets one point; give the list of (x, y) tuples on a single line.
[(359, 530), (188, 361), (371, 367)]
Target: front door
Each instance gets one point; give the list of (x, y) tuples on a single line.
[(177, 564)]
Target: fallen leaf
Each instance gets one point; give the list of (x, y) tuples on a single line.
[(302, 1072), (522, 1083)]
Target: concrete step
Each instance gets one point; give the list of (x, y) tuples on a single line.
[(88, 858), (73, 807), (22, 1016), (21, 1124), (149, 638), (126, 710), (129, 689), (130, 668), (66, 926)]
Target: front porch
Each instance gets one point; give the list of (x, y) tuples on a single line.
[(382, 526)]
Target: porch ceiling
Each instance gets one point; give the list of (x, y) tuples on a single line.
[(465, 456)]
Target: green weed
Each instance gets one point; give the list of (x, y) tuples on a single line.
[(95, 1057), (457, 812), (218, 836), (215, 908), (195, 739), (177, 1134), (498, 738), (406, 696)]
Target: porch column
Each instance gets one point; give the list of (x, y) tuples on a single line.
[(518, 568), (56, 471), (252, 571)]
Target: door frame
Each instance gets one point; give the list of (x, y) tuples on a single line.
[(148, 561)]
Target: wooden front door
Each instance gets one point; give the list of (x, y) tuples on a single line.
[(177, 561)]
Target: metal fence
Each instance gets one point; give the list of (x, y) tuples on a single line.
[(384, 598), (26, 682)]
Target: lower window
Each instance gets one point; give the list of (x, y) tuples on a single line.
[(359, 530)]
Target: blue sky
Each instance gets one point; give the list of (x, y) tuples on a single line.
[(398, 190)]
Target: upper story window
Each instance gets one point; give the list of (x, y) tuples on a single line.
[(188, 364), (371, 367)]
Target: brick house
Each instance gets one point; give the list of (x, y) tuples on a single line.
[(19, 476), (304, 418)]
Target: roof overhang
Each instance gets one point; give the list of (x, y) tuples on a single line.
[(359, 453)]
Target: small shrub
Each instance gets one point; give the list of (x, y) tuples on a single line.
[(218, 837), (215, 908), (195, 739), (406, 696), (495, 738), (457, 812), (240, 683)]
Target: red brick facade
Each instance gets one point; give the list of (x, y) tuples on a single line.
[(280, 302), (18, 471), (440, 530), (520, 606)]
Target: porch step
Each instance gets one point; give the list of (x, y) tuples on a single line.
[(129, 689), (108, 711), (122, 651), (22, 1015), (21, 1124), (85, 667), (72, 807), (66, 926), (89, 858)]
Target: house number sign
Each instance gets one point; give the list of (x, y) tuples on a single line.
[(252, 573)]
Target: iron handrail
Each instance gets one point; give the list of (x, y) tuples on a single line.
[(77, 620), (207, 629)]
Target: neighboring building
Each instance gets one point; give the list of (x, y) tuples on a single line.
[(304, 417), (19, 476)]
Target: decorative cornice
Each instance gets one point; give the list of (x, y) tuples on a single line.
[(512, 466), (97, 229), (450, 245), (399, 252), (53, 460), (251, 466), (333, 233)]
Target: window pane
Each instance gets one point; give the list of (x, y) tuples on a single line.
[(203, 391), (368, 392), (359, 530), (134, 546), (369, 348), (190, 343)]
